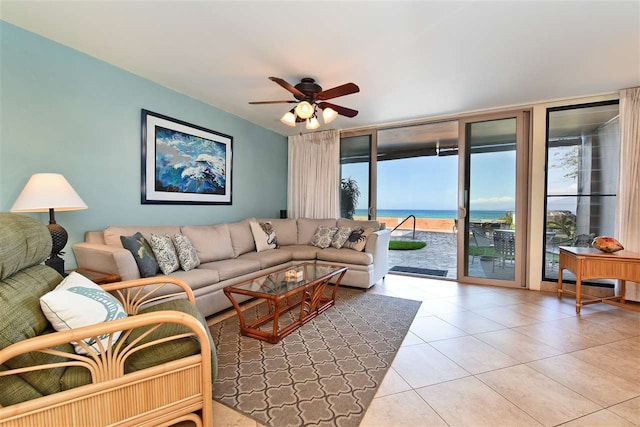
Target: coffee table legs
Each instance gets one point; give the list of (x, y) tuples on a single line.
[(312, 302)]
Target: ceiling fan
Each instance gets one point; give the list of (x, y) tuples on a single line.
[(309, 97)]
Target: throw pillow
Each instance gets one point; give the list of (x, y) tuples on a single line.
[(78, 302), (323, 236), (142, 253), (264, 235), (165, 253), (358, 239), (187, 255), (341, 236)]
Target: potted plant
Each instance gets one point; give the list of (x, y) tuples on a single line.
[(349, 193)]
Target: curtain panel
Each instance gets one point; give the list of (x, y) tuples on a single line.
[(628, 200), (314, 175)]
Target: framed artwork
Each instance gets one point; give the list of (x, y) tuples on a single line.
[(184, 163)]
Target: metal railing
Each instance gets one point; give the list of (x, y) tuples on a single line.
[(403, 221)]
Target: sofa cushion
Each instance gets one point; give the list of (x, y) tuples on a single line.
[(16, 390), (142, 254), (345, 256), (171, 350), (21, 318), (307, 227), (197, 278), (241, 237), (301, 252), (212, 242), (323, 236), (187, 255), (78, 302), (268, 258), (355, 223), (286, 230), (230, 268), (264, 235), (24, 242), (112, 234), (165, 253)]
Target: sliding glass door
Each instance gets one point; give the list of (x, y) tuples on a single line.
[(357, 175), (492, 201)]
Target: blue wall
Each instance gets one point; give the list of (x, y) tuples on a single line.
[(66, 112)]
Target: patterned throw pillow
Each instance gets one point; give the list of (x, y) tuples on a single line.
[(187, 255), (323, 236), (264, 235), (358, 239), (341, 237), (142, 253), (165, 253), (78, 302)]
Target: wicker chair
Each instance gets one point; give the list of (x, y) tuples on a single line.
[(159, 372)]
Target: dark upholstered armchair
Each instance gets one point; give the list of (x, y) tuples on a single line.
[(156, 367)]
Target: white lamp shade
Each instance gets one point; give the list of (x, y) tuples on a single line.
[(313, 123), (329, 114), (304, 110), (289, 119), (46, 191)]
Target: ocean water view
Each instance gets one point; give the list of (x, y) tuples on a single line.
[(436, 214)]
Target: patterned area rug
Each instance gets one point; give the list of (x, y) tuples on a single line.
[(325, 373)]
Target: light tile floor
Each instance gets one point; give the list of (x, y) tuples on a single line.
[(487, 356)]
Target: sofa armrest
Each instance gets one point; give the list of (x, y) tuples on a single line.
[(109, 382), (109, 259), (378, 246), (138, 293)]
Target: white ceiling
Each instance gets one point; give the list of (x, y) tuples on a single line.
[(411, 59)]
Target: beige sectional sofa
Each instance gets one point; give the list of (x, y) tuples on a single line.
[(227, 254)]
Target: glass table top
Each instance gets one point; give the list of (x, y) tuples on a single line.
[(283, 281)]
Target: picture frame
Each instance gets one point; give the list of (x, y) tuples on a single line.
[(184, 164)]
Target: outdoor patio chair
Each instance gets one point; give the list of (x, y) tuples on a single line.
[(481, 241), (504, 242), (579, 241)]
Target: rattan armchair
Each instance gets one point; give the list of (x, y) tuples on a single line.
[(158, 372)]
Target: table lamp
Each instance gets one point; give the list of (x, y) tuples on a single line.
[(49, 192)]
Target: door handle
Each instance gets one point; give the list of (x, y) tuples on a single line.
[(462, 212)]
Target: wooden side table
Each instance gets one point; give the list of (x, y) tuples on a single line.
[(590, 263), (98, 277)]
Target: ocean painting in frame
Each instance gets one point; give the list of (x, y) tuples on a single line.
[(183, 163)]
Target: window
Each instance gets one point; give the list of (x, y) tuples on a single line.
[(583, 144)]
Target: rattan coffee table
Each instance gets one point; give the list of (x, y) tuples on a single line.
[(284, 292)]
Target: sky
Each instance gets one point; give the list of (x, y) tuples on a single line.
[(432, 182)]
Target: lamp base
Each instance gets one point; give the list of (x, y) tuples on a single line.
[(57, 263), (59, 238)]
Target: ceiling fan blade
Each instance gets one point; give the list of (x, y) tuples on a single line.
[(343, 111), (273, 102), (342, 90), (288, 87)]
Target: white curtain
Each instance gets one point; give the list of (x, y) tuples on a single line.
[(628, 200), (314, 175)]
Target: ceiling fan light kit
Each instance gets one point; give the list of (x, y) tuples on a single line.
[(304, 110), (306, 93), (329, 114), (289, 118), (313, 123)]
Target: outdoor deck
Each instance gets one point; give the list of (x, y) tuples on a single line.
[(441, 254)]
